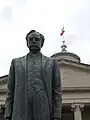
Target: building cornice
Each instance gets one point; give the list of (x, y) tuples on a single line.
[(3, 91), (3, 79), (76, 89), (74, 64)]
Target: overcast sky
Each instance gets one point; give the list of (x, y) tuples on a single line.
[(18, 17)]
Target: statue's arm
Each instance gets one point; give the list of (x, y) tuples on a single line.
[(56, 92), (10, 93)]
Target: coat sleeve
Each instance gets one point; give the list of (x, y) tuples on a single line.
[(10, 92), (56, 92)]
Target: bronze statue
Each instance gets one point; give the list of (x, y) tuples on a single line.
[(34, 85)]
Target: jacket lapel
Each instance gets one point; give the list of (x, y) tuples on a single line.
[(25, 75), (44, 59), (23, 63), (45, 79)]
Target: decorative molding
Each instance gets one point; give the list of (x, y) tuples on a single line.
[(3, 79), (76, 89), (74, 64), (3, 91)]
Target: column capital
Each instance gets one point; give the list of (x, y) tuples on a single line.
[(75, 106)]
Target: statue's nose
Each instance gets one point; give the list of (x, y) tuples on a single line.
[(33, 39)]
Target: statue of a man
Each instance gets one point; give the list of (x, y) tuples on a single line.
[(34, 85)]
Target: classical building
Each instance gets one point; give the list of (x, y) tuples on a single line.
[(75, 78)]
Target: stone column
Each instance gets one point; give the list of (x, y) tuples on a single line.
[(77, 108)]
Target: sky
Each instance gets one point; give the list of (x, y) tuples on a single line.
[(18, 17)]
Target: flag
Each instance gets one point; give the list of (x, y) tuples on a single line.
[(62, 31)]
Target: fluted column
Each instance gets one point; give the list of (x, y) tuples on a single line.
[(77, 108)]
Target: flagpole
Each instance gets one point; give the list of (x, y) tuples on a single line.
[(63, 36), (63, 41)]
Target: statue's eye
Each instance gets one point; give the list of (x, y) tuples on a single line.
[(36, 39), (31, 39)]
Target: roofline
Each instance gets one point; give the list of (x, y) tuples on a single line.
[(3, 76), (73, 63), (3, 79), (66, 53)]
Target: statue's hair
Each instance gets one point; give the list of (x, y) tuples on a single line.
[(42, 37)]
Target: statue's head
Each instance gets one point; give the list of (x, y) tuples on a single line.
[(35, 40)]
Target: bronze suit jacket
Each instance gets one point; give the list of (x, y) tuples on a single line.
[(16, 98)]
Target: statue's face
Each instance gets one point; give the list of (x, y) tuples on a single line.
[(34, 41)]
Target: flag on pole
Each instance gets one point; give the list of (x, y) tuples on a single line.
[(62, 31)]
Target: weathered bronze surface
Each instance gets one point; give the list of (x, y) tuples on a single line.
[(34, 85)]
